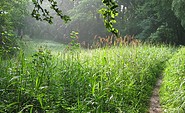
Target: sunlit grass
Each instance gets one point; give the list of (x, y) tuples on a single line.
[(31, 46), (117, 79), (172, 92)]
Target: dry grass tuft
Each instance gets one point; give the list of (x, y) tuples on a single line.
[(112, 40)]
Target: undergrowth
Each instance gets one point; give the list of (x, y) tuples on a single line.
[(172, 91), (117, 79)]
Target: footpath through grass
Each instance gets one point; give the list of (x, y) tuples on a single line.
[(115, 80)]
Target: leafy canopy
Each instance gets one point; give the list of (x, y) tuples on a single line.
[(109, 13)]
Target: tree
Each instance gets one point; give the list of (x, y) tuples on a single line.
[(12, 18), (86, 20), (13, 15), (178, 8), (109, 13), (152, 20)]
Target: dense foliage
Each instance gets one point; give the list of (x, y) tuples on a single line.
[(154, 20), (12, 16), (102, 80), (172, 91)]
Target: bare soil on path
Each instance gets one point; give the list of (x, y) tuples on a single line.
[(155, 100)]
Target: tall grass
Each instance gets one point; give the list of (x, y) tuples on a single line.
[(101, 80), (172, 91), (30, 46)]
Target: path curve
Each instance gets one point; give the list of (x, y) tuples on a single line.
[(155, 100)]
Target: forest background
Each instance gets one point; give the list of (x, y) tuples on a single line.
[(148, 20)]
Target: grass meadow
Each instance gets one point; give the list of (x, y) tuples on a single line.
[(172, 91), (48, 79)]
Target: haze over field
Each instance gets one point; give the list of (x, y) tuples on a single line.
[(92, 56)]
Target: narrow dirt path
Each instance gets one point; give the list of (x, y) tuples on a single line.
[(154, 100)]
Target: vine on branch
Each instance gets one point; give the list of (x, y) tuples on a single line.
[(45, 13), (109, 15)]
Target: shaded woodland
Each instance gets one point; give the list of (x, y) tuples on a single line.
[(147, 20)]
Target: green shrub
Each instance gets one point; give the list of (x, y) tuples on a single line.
[(8, 47), (163, 34)]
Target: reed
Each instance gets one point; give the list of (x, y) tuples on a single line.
[(112, 40), (101, 80), (172, 91)]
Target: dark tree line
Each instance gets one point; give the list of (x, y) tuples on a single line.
[(153, 20), (149, 20)]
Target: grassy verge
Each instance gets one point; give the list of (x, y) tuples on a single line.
[(30, 46), (101, 80), (172, 91)]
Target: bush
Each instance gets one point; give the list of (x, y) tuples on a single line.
[(8, 47), (164, 34)]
